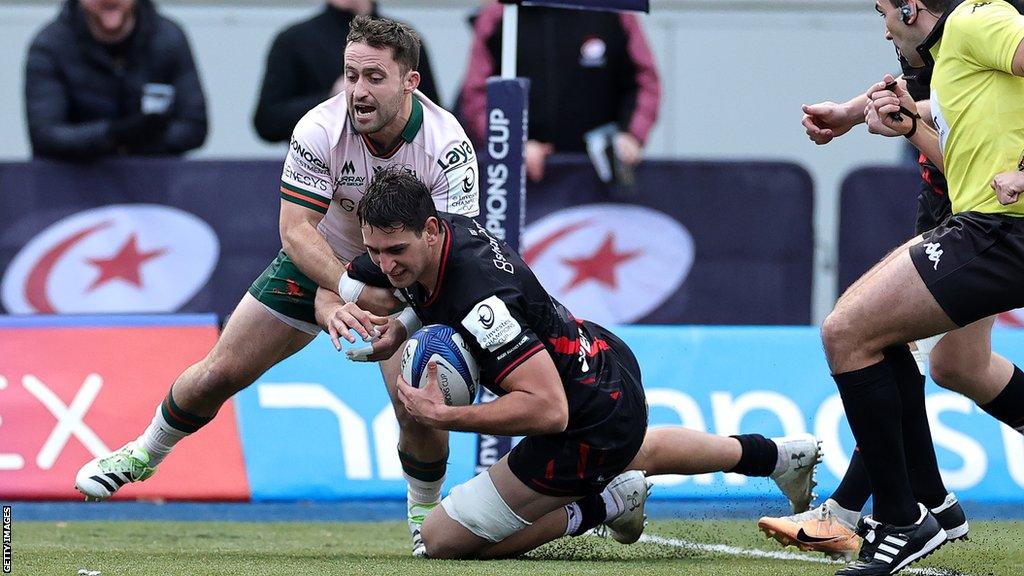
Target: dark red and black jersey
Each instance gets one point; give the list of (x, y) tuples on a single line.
[(487, 293)]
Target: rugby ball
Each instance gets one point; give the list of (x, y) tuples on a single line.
[(457, 372)]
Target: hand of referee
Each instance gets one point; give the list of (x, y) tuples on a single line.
[(888, 104), (827, 120), (1008, 186)]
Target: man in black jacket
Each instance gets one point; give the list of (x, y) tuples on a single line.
[(112, 77), (304, 68), (595, 64)]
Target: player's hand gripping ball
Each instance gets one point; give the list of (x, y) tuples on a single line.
[(457, 372)]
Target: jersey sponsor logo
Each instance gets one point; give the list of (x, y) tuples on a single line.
[(456, 156), (604, 263), (592, 52), (120, 258), (306, 181), (499, 260), (492, 324), (348, 168), (303, 157), (934, 252)]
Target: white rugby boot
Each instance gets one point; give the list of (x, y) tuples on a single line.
[(631, 490), (101, 477), (798, 457)]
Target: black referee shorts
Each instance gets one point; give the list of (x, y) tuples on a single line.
[(932, 209), (973, 264)]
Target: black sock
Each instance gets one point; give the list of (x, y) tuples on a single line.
[(584, 514), (855, 487), (758, 457), (1008, 406), (179, 418), (922, 467), (423, 471), (872, 403)]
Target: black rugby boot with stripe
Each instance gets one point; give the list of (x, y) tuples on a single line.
[(887, 549), (952, 518)]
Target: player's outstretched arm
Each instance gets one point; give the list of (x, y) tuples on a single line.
[(535, 403), (827, 120)]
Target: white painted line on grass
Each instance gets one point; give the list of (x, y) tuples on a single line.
[(754, 553)]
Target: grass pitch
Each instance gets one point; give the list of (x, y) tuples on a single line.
[(309, 549)]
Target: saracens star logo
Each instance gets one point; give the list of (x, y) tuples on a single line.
[(610, 263), (120, 258)]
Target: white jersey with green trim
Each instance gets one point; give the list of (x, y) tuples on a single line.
[(329, 165)]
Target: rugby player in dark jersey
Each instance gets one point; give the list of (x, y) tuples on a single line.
[(569, 386)]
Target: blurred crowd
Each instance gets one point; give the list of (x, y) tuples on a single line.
[(109, 78)]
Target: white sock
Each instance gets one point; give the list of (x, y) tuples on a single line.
[(575, 518), (612, 505), (781, 461), (421, 492), (159, 438)]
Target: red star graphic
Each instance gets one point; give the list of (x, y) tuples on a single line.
[(599, 266), (124, 265)]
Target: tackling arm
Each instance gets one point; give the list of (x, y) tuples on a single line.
[(307, 247)]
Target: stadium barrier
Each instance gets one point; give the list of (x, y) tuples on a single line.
[(318, 427), (699, 242)]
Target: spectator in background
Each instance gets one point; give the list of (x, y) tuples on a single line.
[(112, 77), (587, 69), (304, 68)]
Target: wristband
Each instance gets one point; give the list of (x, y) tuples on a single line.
[(410, 320), (913, 122), (349, 288)]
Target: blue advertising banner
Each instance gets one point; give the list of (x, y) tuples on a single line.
[(724, 380), (503, 195), (697, 242)]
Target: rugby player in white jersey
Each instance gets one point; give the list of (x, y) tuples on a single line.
[(378, 120)]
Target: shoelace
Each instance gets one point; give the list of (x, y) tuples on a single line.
[(136, 467)]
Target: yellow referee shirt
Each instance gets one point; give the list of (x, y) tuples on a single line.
[(978, 104)]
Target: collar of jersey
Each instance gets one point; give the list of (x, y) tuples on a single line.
[(443, 265), (412, 127), (925, 49)]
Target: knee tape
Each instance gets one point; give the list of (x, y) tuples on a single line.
[(477, 505), (924, 349)]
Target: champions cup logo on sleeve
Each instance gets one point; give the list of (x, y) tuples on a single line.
[(486, 316), (120, 258)]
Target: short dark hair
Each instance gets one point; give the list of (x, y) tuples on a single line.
[(394, 200), (385, 33), (940, 6)]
